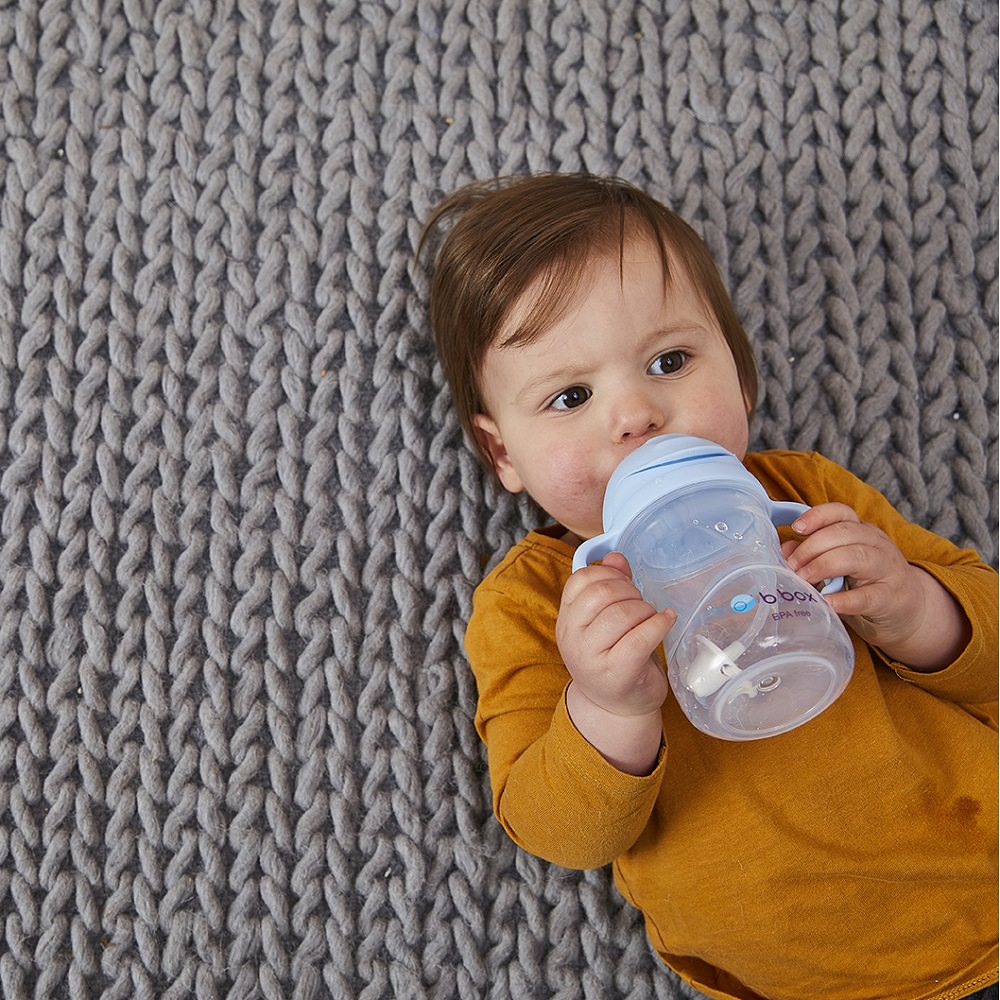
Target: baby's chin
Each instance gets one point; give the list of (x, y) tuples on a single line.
[(580, 523)]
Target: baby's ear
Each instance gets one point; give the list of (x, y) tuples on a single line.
[(490, 441)]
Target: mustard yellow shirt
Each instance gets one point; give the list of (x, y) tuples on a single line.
[(852, 858)]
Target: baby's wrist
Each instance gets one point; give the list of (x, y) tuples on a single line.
[(630, 743), (929, 632), (940, 631)]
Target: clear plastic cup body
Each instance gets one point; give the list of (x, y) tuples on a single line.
[(756, 650)]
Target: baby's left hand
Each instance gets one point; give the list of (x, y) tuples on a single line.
[(885, 600)]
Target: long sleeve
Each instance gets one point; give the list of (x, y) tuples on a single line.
[(553, 792), (812, 479)]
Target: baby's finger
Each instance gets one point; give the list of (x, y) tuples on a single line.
[(788, 547), (582, 608), (843, 540), (589, 575), (616, 561), (822, 516), (860, 602), (845, 561), (643, 638), (608, 627)]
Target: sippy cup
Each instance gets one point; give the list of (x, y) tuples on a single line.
[(755, 650)]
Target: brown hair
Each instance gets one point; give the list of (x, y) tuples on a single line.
[(509, 233)]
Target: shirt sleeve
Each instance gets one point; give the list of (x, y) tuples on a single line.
[(554, 794), (812, 479), (973, 677)]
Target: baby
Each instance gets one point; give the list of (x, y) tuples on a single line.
[(853, 857)]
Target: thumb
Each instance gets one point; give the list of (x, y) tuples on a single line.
[(615, 560)]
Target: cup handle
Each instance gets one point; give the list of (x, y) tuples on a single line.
[(593, 549), (787, 511)]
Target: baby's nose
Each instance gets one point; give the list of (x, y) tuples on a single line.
[(637, 417)]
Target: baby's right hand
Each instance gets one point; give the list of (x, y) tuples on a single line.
[(608, 635)]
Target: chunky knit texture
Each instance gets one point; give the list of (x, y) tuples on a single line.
[(240, 529)]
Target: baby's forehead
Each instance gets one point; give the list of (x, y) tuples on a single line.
[(554, 290), (624, 252)]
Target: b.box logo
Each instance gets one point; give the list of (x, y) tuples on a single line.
[(789, 596)]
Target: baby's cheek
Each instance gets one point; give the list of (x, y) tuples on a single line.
[(575, 490), (572, 472)]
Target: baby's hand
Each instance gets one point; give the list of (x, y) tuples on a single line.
[(607, 635), (888, 602)]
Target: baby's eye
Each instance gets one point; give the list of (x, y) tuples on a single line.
[(570, 398), (668, 364)]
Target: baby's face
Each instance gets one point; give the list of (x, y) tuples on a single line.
[(627, 361)]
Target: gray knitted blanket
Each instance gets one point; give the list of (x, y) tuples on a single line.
[(240, 528)]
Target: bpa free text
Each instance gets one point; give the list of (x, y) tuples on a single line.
[(788, 597)]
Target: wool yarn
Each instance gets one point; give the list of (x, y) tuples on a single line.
[(240, 528)]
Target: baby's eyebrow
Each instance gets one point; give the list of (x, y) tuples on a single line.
[(546, 382), (679, 330)]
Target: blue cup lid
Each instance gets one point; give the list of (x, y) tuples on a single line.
[(664, 465)]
